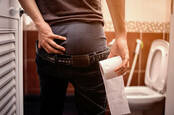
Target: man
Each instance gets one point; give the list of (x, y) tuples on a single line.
[(71, 42)]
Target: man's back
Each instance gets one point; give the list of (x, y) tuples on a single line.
[(56, 11)]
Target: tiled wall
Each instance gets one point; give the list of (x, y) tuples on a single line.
[(31, 81)]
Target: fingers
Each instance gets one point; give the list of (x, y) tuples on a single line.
[(122, 68), (50, 50), (53, 44), (54, 36), (121, 71), (51, 47)]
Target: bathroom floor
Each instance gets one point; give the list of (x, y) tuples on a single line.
[(31, 105)]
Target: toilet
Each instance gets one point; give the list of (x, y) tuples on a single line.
[(155, 78)]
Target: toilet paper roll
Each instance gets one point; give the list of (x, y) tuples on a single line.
[(114, 86), (108, 66)]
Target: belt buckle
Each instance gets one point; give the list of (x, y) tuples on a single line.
[(81, 60)]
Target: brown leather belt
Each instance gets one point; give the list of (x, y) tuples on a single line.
[(74, 60)]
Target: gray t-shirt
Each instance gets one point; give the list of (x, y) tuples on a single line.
[(57, 11)]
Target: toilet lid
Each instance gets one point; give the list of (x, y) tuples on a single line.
[(156, 68)]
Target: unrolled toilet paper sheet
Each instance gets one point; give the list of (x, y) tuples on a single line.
[(114, 86)]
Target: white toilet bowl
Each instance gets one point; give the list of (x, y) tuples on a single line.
[(155, 77), (142, 95)]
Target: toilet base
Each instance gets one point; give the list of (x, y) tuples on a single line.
[(148, 109)]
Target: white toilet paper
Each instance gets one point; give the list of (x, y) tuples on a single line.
[(114, 86)]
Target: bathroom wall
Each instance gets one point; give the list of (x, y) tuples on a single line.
[(142, 14), (144, 10)]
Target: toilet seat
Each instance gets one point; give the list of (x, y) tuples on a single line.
[(155, 76), (156, 67), (142, 95)]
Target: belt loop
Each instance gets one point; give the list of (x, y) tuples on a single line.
[(93, 57)]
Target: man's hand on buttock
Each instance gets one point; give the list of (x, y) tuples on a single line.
[(46, 39)]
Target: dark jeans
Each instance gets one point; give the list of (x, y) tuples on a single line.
[(88, 83)]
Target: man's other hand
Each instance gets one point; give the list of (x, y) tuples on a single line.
[(120, 48)]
